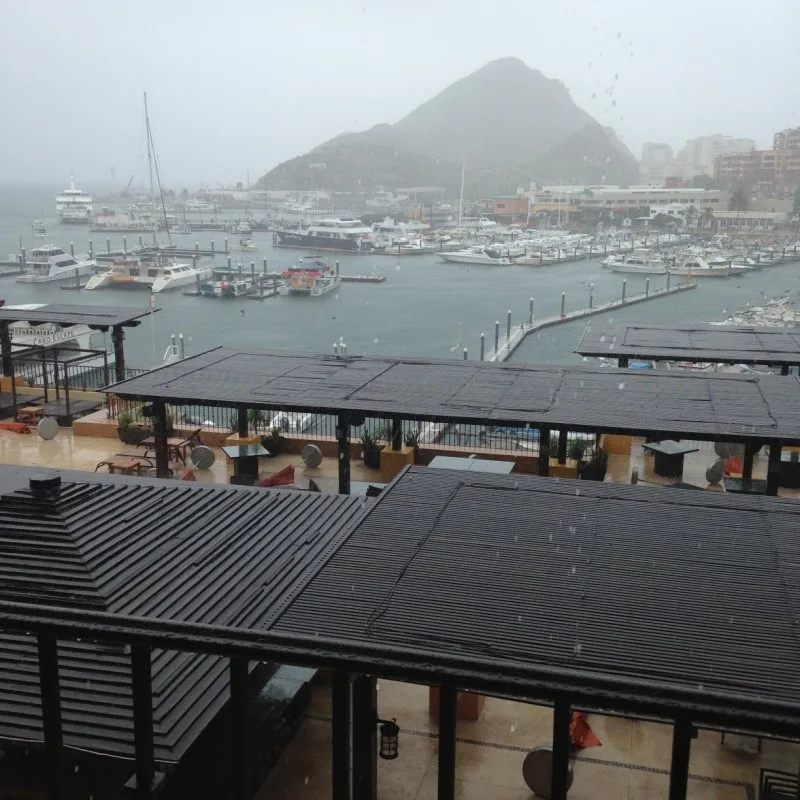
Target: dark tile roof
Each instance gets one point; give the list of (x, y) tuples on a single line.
[(100, 317), (191, 552), (683, 589), (690, 342), (632, 401)]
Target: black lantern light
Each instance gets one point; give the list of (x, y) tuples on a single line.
[(389, 733)]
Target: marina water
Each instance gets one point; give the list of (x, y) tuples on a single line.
[(426, 307)]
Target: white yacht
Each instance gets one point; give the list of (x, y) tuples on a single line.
[(157, 277), (478, 255), (72, 205), (51, 263), (640, 262), (290, 421), (698, 267), (350, 235)]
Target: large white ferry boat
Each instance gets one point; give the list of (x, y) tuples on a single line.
[(50, 263), (73, 206), (350, 235)]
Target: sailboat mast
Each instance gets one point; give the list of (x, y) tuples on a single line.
[(150, 171), (461, 197)]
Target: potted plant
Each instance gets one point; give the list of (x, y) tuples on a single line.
[(371, 446), (128, 431), (595, 468), (274, 442), (577, 449), (257, 420), (411, 439)]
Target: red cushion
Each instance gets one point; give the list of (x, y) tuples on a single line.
[(284, 477)]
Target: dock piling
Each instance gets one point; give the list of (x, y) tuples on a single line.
[(647, 288), (212, 248), (530, 316), (624, 287), (24, 257), (265, 267), (591, 294), (197, 248), (669, 275), (466, 354), (226, 244), (108, 245), (483, 346), (141, 243), (91, 249), (563, 302), (508, 326), (229, 263), (72, 249), (496, 337)]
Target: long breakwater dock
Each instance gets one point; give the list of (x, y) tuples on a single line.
[(504, 346)]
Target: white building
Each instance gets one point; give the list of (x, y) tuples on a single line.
[(697, 156)]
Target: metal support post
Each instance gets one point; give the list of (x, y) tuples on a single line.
[(562, 446), (365, 738), (142, 690), (447, 742), (241, 774), (747, 461), (242, 426), (679, 768), (5, 348), (774, 467), (397, 433), (343, 440), (117, 339), (562, 716), (340, 735), (544, 452), (160, 437), (622, 362)]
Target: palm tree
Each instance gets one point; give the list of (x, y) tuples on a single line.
[(708, 216), (690, 216), (739, 200)]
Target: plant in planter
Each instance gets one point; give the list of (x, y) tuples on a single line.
[(128, 431), (577, 449), (596, 467), (274, 442), (412, 439), (371, 446), (257, 420)]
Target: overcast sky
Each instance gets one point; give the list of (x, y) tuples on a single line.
[(245, 84)]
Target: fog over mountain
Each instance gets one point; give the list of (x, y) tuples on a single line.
[(247, 85)]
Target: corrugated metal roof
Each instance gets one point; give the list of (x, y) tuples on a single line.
[(100, 317), (689, 342), (631, 401), (682, 588), (227, 555)]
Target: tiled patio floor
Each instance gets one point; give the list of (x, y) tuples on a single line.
[(632, 762)]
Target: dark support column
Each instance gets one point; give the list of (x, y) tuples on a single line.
[(241, 423), (66, 389), (544, 452), (5, 349), (117, 339), (343, 439), (45, 381), (106, 374), (240, 740), (774, 467), (340, 735), (785, 369), (397, 433), (143, 720), (562, 446), (447, 742), (56, 379), (365, 738), (622, 361), (562, 716), (679, 769), (747, 461), (160, 436), (51, 714)]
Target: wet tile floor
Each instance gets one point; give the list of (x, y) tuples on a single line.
[(632, 762)]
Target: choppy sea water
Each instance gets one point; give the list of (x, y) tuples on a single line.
[(425, 308)]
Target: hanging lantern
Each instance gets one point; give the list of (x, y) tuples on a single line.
[(389, 733)]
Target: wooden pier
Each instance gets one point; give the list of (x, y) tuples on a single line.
[(508, 344)]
